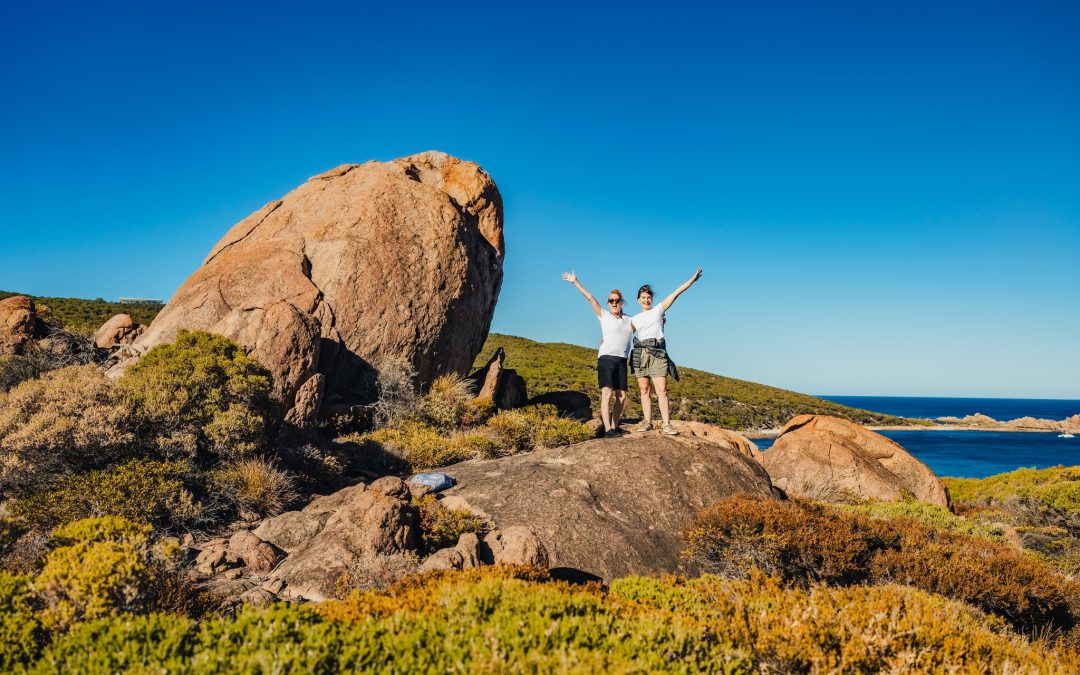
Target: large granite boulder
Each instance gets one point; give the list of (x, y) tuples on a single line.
[(608, 507), (365, 263), (19, 325), (827, 458)]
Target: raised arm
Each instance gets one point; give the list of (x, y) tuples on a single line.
[(572, 278), (669, 300)]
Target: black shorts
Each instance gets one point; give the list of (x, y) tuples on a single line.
[(611, 372)]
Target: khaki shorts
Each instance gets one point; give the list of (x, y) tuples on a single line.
[(651, 366)]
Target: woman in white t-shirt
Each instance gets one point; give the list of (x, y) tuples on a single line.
[(611, 359), (650, 362)]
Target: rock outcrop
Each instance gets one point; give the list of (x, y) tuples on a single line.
[(362, 264), (119, 330), (505, 388), (19, 325), (608, 507), (821, 457)]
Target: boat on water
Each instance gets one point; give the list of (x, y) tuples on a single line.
[(1066, 435)]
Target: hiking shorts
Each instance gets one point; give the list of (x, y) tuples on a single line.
[(611, 372)]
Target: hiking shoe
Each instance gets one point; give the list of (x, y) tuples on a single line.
[(644, 426), (612, 433), (670, 430)]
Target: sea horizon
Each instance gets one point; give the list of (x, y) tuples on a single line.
[(931, 407)]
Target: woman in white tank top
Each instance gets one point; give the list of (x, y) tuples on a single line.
[(611, 358)]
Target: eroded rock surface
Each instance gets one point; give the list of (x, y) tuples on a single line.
[(19, 324), (365, 263), (608, 507), (822, 457), (119, 330)]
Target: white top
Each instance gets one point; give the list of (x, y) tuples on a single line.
[(617, 333), (650, 324)]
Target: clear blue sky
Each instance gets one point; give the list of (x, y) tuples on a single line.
[(885, 196)]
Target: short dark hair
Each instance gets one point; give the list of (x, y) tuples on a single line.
[(645, 289)]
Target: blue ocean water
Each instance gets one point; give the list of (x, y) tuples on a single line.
[(978, 454), (930, 407)]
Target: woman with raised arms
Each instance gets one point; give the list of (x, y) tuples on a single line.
[(611, 359), (649, 361)]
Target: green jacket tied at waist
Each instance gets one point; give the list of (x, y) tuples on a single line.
[(658, 349)]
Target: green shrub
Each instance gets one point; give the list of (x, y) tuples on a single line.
[(255, 485), (441, 526), (419, 445), (800, 541), (10, 531), (101, 567), (201, 393), (536, 426), (516, 620), (161, 493), (445, 403), (1056, 488), (69, 420), (927, 514), (21, 634)]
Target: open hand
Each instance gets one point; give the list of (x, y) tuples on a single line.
[(697, 275), (571, 277)]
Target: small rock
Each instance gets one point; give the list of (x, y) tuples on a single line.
[(443, 559), (258, 555), (390, 486), (517, 545), (257, 597), (234, 573), (274, 586)]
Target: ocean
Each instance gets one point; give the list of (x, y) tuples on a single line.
[(1002, 409), (975, 454)]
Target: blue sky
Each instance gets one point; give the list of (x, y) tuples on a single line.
[(885, 199)]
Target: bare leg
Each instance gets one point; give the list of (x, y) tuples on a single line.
[(620, 401), (605, 407), (662, 399), (646, 399)]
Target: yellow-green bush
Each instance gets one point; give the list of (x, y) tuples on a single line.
[(441, 526), (1057, 488), (536, 426), (801, 541), (68, 420), (493, 620), (927, 514), (202, 390), (100, 567), (161, 493), (10, 531), (420, 446), (255, 485), (445, 403), (21, 634)]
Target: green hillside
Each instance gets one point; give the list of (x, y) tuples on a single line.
[(86, 316), (700, 396)]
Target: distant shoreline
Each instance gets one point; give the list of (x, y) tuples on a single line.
[(1000, 426)]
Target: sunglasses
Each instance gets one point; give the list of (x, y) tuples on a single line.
[(614, 301)]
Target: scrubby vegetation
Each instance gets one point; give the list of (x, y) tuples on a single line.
[(177, 442), (802, 542), (697, 396), (448, 424), (86, 316), (1041, 506), (503, 619), (441, 526)]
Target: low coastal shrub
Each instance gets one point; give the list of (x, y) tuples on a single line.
[(802, 542), (68, 420), (1056, 488), (254, 486), (21, 634), (932, 515), (202, 394), (100, 567), (397, 399), (441, 526), (420, 446), (500, 620), (444, 404), (160, 493), (535, 426)]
